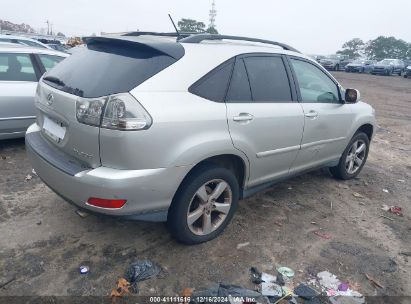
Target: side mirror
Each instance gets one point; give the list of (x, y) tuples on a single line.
[(352, 96)]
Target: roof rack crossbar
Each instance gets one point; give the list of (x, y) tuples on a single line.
[(201, 37)]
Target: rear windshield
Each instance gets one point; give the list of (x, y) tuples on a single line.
[(101, 69)]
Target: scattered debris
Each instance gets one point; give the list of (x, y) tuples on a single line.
[(286, 272), (393, 209), (38, 222), (305, 292), (241, 245), (82, 213), (122, 289), (3, 157), (271, 289), (401, 180), (323, 235), (28, 177), (356, 194), (84, 269), (343, 287), (34, 172), (406, 253), (328, 280), (314, 223), (141, 270), (187, 292), (278, 224), (374, 281), (290, 188), (256, 275), (386, 190)]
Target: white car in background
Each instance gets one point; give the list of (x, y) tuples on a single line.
[(20, 70), (23, 41)]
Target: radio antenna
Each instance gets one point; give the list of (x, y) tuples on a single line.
[(175, 27)]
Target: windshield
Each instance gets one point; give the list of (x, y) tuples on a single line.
[(386, 61)]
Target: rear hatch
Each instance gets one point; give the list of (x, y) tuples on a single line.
[(104, 67)]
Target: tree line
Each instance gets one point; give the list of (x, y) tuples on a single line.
[(193, 26), (379, 48)]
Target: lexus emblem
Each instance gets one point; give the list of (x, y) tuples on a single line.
[(50, 99)]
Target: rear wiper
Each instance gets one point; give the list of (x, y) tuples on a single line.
[(55, 80)]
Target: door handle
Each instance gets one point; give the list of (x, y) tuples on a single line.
[(312, 114), (243, 117)]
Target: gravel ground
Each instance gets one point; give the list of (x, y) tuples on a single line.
[(43, 241)]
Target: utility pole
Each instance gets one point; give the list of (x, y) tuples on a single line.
[(213, 14), (48, 27)]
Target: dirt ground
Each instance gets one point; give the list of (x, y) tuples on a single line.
[(43, 241)]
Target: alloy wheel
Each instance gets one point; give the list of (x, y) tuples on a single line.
[(355, 156), (209, 207)]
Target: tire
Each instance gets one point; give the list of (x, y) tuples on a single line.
[(341, 171), (202, 180)]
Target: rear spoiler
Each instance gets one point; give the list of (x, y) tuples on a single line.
[(170, 48)]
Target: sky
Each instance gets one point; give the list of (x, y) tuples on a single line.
[(312, 26)]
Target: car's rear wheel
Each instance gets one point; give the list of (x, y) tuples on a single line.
[(204, 204), (353, 159)]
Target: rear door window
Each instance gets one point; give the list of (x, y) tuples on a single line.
[(268, 79), (16, 67), (101, 69), (214, 85), (239, 90)]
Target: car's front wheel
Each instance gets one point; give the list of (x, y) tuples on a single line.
[(204, 204), (353, 159)]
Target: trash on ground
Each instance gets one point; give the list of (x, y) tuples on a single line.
[(82, 213), (271, 289), (401, 180), (3, 157), (187, 292), (343, 287), (406, 253), (141, 270), (374, 281), (38, 222), (241, 245), (266, 277), (386, 190), (34, 172), (286, 272), (328, 280), (323, 235), (388, 218), (305, 292), (28, 177), (84, 269), (356, 194), (393, 209), (256, 275), (122, 289)]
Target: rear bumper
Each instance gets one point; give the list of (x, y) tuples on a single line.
[(148, 192)]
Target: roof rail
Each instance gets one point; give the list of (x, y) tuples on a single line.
[(201, 37), (179, 35)]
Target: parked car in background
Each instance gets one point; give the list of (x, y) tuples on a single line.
[(317, 57), (407, 72), (23, 41), (118, 133), (58, 47), (334, 62), (360, 66), (388, 67), (20, 69)]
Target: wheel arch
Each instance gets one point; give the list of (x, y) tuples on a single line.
[(233, 162), (366, 128)]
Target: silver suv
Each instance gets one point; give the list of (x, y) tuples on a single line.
[(152, 129)]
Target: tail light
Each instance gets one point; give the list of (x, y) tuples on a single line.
[(119, 112)]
